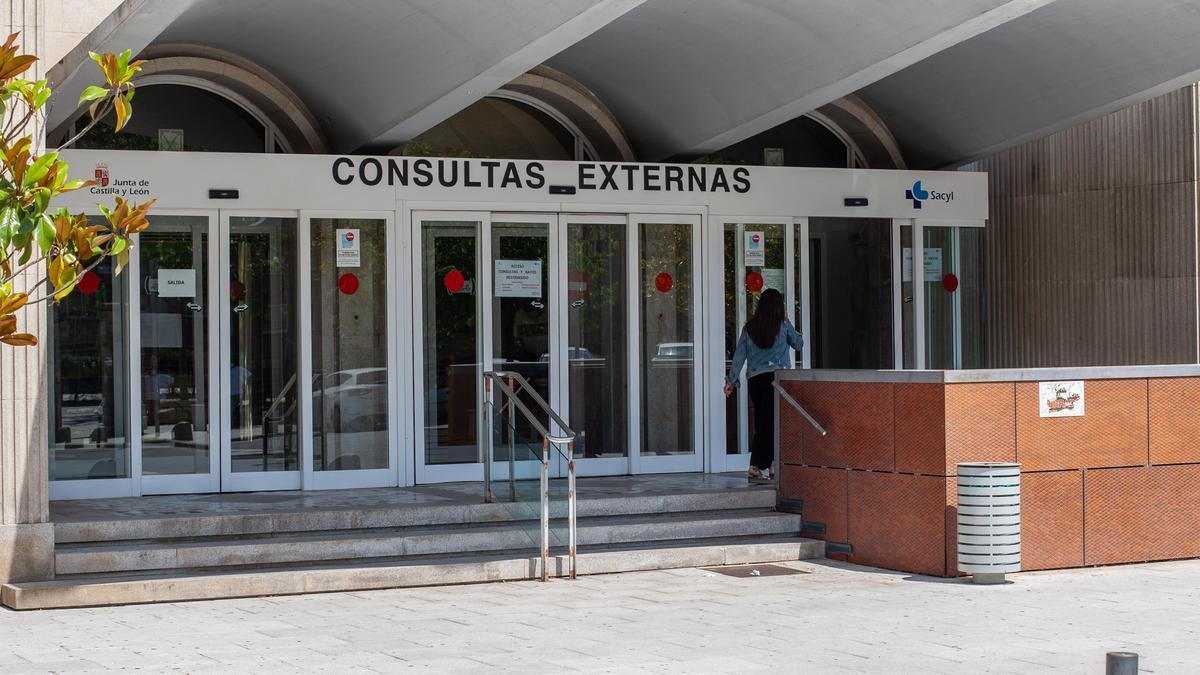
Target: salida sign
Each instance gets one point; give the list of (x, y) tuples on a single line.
[(509, 174)]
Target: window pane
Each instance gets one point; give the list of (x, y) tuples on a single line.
[(666, 338), (88, 374), (349, 343), (452, 377), (263, 345), (597, 334), (174, 331)]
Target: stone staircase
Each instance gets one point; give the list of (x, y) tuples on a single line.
[(194, 557)]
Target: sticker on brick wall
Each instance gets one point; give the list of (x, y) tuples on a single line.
[(1061, 399)]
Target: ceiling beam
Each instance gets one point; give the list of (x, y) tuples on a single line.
[(820, 96), (498, 74)]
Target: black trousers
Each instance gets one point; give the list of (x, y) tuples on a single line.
[(762, 448)]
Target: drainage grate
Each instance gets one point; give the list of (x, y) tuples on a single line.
[(746, 571)]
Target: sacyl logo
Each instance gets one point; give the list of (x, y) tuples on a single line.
[(919, 194)]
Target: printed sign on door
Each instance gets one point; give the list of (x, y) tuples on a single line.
[(349, 248)]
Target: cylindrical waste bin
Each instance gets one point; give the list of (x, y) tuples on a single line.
[(989, 520)]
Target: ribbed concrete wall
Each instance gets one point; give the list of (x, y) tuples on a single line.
[(1091, 242)]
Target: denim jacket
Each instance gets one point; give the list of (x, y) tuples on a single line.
[(758, 360)]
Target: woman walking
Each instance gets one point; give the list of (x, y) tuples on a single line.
[(762, 347)]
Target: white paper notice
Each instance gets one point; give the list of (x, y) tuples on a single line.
[(774, 278), (1061, 399), (754, 250), (518, 278), (176, 283), (349, 248), (933, 264)]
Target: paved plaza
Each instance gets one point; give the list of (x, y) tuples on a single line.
[(832, 618)]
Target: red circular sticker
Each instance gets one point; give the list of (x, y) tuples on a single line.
[(237, 290), (950, 282), (89, 283), (454, 281), (754, 282), (348, 284), (663, 282)]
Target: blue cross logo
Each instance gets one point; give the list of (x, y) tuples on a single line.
[(917, 194)]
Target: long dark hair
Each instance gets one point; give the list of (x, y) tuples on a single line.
[(764, 326)]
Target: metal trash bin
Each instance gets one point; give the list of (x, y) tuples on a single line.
[(989, 520)]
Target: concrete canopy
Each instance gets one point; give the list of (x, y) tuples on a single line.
[(952, 79)]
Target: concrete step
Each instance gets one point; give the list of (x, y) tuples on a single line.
[(401, 515), (177, 585), (357, 544)]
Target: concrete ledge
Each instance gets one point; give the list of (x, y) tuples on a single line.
[(118, 590), (26, 552)]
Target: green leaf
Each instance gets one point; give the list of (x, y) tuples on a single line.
[(118, 246), (122, 261), (92, 93), (37, 171), (45, 234)]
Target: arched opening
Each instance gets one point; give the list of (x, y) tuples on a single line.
[(179, 114), (500, 126)]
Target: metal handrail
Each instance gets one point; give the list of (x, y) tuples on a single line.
[(509, 383), (799, 408)]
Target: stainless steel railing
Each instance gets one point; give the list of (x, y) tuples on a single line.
[(507, 385), (799, 408)]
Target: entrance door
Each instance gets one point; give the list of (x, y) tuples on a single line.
[(260, 352), (179, 412), (757, 256)]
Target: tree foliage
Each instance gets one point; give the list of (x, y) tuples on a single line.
[(33, 235)]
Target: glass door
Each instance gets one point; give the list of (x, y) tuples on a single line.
[(597, 345), (348, 385), (755, 258), (260, 352), (665, 335), (179, 406)]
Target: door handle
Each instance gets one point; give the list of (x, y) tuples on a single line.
[(194, 307), (577, 303), (241, 307), (538, 305)]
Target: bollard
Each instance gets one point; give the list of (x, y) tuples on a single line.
[(989, 520), (1121, 663)]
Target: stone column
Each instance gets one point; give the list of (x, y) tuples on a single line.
[(26, 535)]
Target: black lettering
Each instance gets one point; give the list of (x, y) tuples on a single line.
[(423, 170), (491, 168), (453, 180), (674, 175), (375, 166), (610, 176), (587, 176), (467, 176), (650, 178), (741, 180), (697, 179), (629, 170), (511, 177), (535, 176), (339, 178), (720, 180), (398, 172)]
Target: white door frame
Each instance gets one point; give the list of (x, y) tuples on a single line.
[(597, 466), (443, 473), (184, 483), (672, 463), (362, 478), (254, 481)]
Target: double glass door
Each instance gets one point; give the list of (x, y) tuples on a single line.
[(263, 352), (596, 312)]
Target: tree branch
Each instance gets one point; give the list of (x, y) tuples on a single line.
[(108, 106)]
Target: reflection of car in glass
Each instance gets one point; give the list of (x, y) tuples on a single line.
[(352, 400), (673, 354), (573, 353)]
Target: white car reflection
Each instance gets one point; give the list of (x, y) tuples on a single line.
[(352, 400)]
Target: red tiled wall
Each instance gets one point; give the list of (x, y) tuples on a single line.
[(1120, 484)]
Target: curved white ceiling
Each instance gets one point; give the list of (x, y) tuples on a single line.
[(954, 79)]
